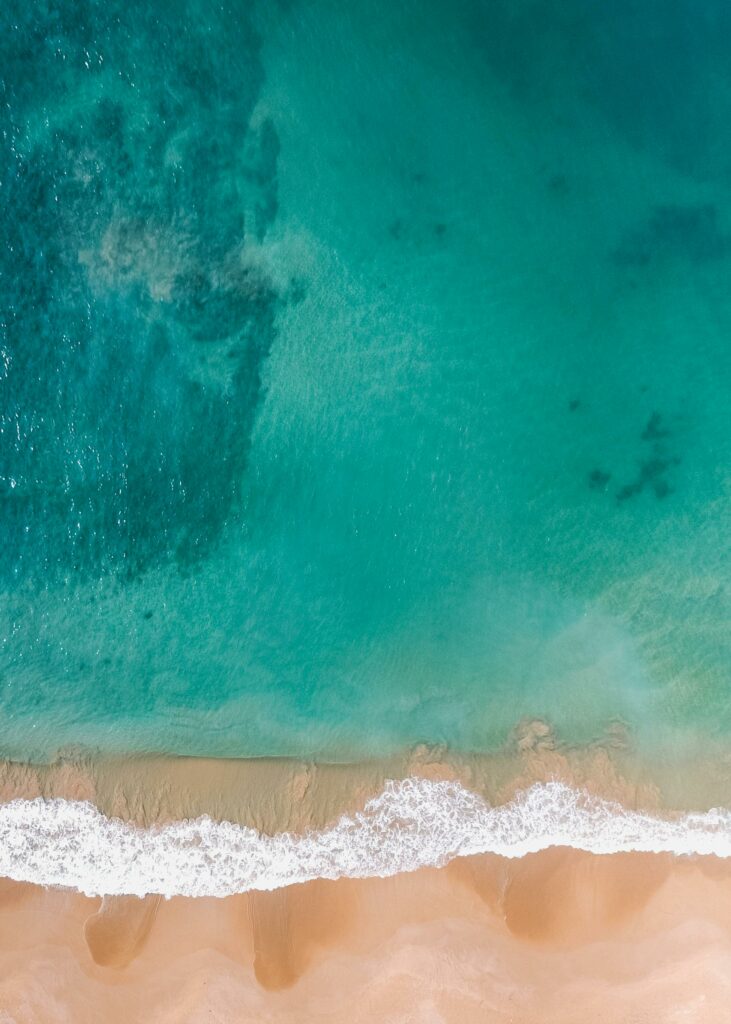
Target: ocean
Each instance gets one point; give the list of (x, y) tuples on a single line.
[(364, 376)]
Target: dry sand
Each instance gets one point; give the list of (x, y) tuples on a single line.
[(558, 938)]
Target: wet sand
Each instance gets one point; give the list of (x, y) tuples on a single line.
[(274, 795), (559, 937)]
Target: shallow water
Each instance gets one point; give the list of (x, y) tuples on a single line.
[(364, 376)]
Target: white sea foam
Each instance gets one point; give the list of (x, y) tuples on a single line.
[(411, 824)]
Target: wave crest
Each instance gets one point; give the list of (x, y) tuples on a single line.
[(413, 823)]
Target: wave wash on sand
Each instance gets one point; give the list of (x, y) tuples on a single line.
[(413, 823)]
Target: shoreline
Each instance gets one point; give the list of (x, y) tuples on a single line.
[(281, 794), (412, 824), (180, 826)]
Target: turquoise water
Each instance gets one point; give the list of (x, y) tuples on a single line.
[(365, 373)]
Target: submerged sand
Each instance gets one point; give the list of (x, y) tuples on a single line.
[(278, 794), (559, 937)]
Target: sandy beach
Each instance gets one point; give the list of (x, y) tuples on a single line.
[(558, 937)]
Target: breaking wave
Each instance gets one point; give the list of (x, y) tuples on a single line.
[(413, 823)]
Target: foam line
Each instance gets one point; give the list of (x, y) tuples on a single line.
[(411, 824)]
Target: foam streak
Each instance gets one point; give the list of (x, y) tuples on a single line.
[(411, 824)]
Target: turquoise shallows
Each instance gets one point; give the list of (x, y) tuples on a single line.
[(365, 373)]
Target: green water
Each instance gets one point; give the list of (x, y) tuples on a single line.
[(365, 373)]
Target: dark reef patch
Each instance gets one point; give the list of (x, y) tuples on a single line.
[(135, 324), (654, 430), (693, 233), (653, 469), (652, 474), (599, 479)]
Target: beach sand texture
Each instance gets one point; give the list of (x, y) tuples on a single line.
[(559, 936)]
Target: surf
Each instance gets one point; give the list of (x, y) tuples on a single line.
[(412, 823)]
